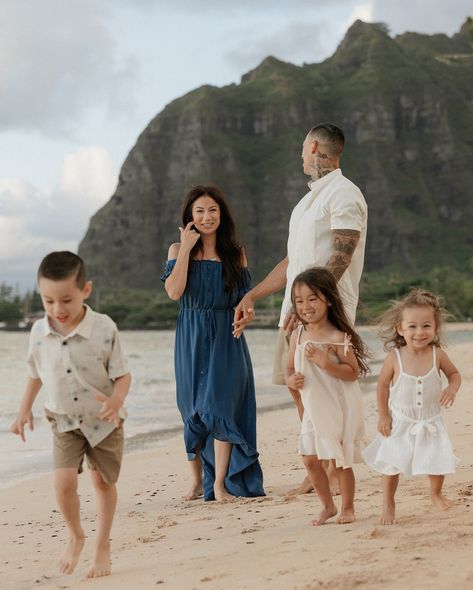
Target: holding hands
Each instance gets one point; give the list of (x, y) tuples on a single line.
[(244, 315), (290, 322)]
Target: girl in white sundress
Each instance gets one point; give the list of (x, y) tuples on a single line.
[(326, 356), (412, 437)]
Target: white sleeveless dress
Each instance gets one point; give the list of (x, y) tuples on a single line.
[(419, 442), (332, 425)]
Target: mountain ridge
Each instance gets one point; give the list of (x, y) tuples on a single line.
[(406, 107)]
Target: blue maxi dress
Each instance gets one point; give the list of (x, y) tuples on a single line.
[(214, 378)]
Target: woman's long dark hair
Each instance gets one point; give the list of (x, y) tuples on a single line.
[(321, 280), (228, 248)]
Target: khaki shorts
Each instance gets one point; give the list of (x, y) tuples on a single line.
[(280, 357), (71, 447)]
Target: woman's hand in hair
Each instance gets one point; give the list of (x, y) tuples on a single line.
[(189, 237)]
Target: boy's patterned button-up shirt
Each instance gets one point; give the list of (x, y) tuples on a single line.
[(74, 368)]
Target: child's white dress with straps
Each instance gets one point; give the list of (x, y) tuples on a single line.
[(332, 425), (419, 442)]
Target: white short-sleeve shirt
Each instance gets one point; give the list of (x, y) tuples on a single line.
[(333, 202), (74, 368)]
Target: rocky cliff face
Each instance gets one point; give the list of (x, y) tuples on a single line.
[(406, 106)]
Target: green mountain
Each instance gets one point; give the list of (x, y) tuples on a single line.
[(406, 107)]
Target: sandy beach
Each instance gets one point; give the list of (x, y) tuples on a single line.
[(160, 541)]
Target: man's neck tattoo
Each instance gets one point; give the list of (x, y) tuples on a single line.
[(322, 165)]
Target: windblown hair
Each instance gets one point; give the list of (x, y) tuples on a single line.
[(390, 320), (228, 248), (58, 266), (321, 281), (329, 134)]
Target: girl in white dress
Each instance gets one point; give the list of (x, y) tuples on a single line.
[(326, 356), (412, 437)]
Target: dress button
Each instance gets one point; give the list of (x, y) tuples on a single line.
[(64, 343), (68, 371), (81, 421), (419, 403), (419, 381), (76, 399), (419, 393)]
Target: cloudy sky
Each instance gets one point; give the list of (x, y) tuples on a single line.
[(80, 79)]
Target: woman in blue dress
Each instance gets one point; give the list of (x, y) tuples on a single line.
[(207, 273)]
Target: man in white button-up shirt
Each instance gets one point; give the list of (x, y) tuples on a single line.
[(75, 354), (327, 228)]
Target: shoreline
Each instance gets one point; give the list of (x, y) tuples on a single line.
[(148, 440)]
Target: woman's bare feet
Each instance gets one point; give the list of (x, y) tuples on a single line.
[(388, 516), (346, 516), (440, 501), (102, 565), (195, 492), (221, 494), (69, 560), (325, 515)]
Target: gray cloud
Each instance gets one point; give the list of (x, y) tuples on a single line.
[(296, 43), (232, 6), (59, 59), (423, 15)]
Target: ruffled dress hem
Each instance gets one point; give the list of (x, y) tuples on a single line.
[(378, 456), (244, 476), (345, 456)]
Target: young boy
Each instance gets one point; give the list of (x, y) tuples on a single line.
[(75, 354)]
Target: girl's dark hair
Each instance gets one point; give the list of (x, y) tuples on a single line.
[(58, 266), (391, 319), (320, 280), (228, 248)]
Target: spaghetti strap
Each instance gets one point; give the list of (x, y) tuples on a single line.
[(399, 360), (434, 356), (299, 334)]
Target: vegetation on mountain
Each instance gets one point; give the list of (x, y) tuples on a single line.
[(406, 106)]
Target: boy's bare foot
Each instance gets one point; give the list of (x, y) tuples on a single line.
[(102, 565), (388, 516), (69, 560), (441, 501), (304, 488), (346, 516), (324, 516), (195, 492)]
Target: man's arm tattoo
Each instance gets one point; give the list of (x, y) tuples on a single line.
[(344, 242)]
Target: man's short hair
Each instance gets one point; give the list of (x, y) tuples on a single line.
[(329, 134), (58, 266)]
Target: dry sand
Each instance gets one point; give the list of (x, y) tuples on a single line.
[(160, 541)]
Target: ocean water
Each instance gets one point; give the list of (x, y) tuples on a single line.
[(151, 402)]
